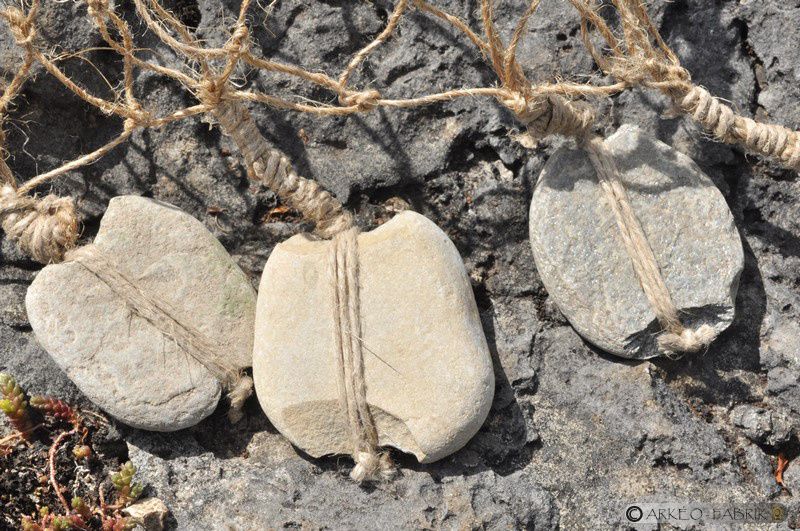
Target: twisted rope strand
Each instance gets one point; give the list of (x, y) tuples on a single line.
[(775, 141), (637, 61), (370, 463), (275, 170), (43, 228)]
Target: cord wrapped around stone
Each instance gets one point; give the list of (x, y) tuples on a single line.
[(556, 115), (370, 463), (159, 314), (44, 228), (332, 221)]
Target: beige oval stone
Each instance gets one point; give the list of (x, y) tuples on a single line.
[(428, 370), (120, 361)]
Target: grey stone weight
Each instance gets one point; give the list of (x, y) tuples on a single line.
[(583, 262), (122, 362)]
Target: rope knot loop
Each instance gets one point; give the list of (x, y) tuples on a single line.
[(551, 115), (211, 92), (371, 466), (22, 27), (239, 41), (43, 228), (139, 118), (365, 100), (687, 340)]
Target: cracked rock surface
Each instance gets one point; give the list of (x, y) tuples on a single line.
[(573, 435)]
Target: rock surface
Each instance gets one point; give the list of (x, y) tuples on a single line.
[(151, 513), (427, 368), (583, 262), (122, 362), (564, 445)]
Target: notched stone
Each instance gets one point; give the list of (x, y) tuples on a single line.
[(122, 362), (583, 262), (428, 371)]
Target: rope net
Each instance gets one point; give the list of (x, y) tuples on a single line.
[(635, 55)]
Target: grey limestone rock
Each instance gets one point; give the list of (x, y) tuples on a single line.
[(582, 259)]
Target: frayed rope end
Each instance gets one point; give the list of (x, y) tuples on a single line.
[(372, 466), (689, 340), (237, 395)]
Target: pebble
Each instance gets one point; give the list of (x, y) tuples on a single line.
[(120, 361), (583, 262), (428, 371)]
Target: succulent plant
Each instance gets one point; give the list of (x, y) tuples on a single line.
[(61, 523), (54, 408), (81, 508), (28, 524), (82, 451), (127, 490), (118, 523), (13, 403)]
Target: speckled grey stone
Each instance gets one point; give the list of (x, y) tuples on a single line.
[(583, 262), (122, 362)]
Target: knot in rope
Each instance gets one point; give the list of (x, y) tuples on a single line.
[(687, 340), (22, 28), (239, 41), (371, 466), (211, 92), (623, 70), (365, 100), (239, 391), (43, 228), (138, 118), (551, 115), (97, 7), (640, 70)]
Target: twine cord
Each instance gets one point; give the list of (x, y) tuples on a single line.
[(162, 316), (675, 338), (639, 58), (370, 463), (275, 170), (44, 228)]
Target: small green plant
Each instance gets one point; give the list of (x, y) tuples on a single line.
[(14, 405), (76, 513), (81, 508), (127, 490), (82, 451), (54, 408), (51, 522), (118, 523), (29, 525), (61, 523)]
